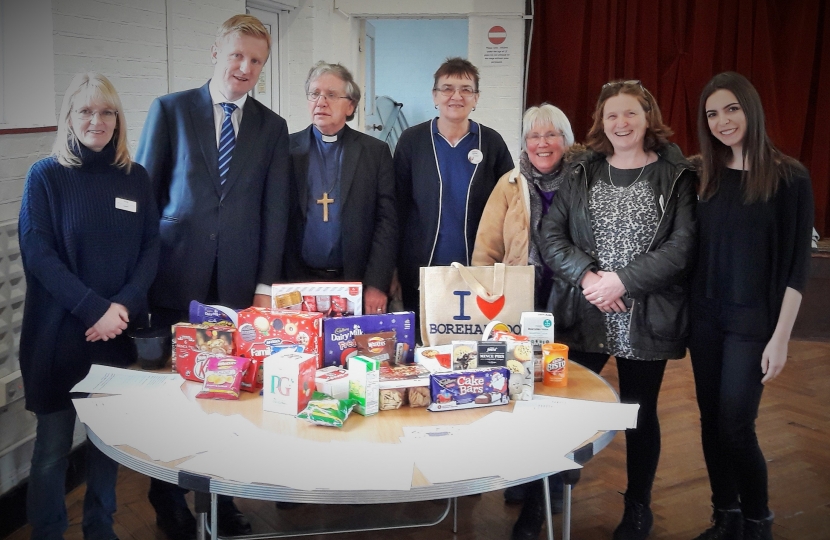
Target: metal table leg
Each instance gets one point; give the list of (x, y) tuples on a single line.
[(566, 512), (548, 513)]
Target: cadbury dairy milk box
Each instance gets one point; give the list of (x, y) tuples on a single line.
[(338, 335)]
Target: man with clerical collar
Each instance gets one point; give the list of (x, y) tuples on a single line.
[(342, 225)]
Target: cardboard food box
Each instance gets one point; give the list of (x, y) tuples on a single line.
[(483, 387), (262, 332), (289, 382), (464, 355), (194, 343), (538, 326), (332, 299), (338, 335), (364, 379), (492, 353), (333, 381), (437, 358)]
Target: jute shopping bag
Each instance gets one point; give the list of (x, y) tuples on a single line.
[(458, 301)]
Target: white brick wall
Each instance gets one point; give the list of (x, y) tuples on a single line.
[(126, 40), (17, 154), (502, 87)]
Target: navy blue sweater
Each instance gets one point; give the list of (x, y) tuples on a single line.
[(80, 254)]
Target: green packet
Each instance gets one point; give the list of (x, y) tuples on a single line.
[(324, 410)]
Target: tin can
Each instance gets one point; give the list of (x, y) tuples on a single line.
[(555, 364)]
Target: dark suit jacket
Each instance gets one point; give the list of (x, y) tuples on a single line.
[(244, 229), (368, 221)]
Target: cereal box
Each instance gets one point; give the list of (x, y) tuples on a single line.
[(467, 389), (289, 382), (339, 333), (333, 381), (263, 331), (538, 327), (364, 378), (332, 299)]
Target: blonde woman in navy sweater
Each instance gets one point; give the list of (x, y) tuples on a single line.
[(755, 216), (89, 242)]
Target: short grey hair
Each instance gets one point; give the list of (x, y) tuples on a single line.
[(352, 89), (547, 114)]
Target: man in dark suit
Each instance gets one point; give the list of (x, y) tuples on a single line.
[(218, 161), (343, 225)]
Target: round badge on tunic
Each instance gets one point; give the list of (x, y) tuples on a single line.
[(475, 156)]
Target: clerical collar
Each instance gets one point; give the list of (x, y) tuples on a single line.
[(328, 138)]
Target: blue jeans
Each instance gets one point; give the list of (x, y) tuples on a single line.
[(45, 506)]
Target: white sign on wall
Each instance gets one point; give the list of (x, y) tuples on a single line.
[(498, 49)]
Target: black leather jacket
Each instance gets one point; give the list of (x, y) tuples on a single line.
[(656, 281)]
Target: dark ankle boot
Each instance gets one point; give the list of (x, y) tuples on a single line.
[(758, 529), (636, 523), (726, 525), (530, 521)]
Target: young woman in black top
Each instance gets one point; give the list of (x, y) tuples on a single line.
[(755, 215)]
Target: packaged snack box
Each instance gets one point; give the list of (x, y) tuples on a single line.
[(262, 332), (339, 333), (333, 381), (332, 299), (464, 355), (538, 326), (437, 358), (194, 343), (396, 381), (364, 378), (467, 389), (492, 353), (289, 382)]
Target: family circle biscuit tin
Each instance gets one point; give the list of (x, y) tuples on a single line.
[(261, 331)]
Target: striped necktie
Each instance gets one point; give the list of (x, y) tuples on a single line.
[(227, 141)]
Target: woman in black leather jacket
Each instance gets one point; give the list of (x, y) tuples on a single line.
[(619, 238)]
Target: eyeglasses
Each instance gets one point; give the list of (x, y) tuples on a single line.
[(615, 84), (535, 138), (330, 96), (107, 115), (449, 91)]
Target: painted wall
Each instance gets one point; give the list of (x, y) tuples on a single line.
[(407, 53)]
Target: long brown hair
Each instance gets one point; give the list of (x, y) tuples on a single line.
[(657, 133), (767, 164)]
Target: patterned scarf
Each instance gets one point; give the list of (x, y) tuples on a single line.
[(536, 183)]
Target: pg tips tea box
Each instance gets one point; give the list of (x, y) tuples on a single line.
[(364, 384), (288, 382)]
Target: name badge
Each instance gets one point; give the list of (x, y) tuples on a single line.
[(475, 156), (124, 204)]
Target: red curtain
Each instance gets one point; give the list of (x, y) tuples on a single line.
[(675, 46)]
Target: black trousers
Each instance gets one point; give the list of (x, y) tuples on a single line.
[(163, 495), (640, 382), (727, 369)]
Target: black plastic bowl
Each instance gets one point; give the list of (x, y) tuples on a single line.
[(152, 347)]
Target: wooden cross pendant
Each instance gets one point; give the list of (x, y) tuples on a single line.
[(325, 202)]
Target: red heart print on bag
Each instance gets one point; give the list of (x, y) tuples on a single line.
[(490, 309)]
